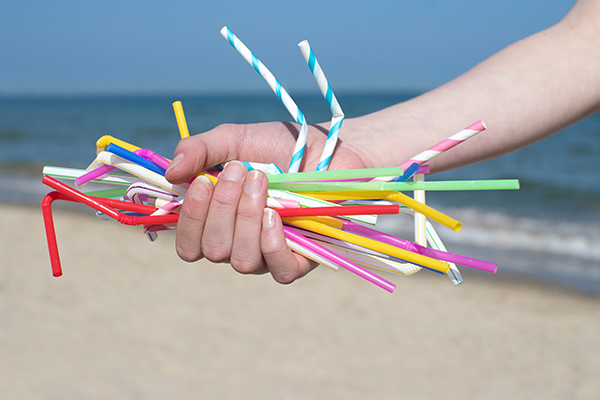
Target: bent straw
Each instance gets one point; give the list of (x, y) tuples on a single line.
[(180, 117), (385, 248), (134, 158), (426, 210), (336, 259), (337, 116), (279, 91), (107, 139)]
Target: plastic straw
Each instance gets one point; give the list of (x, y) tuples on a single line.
[(107, 139), (347, 187), (427, 211), (279, 91), (338, 211), (134, 158), (333, 257), (337, 114), (393, 251), (180, 117), (335, 175)]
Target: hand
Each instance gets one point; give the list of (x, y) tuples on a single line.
[(230, 222)]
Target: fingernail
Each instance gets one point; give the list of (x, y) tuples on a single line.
[(201, 188), (253, 182), (234, 171), (174, 162), (268, 219)]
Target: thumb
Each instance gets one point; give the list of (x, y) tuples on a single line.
[(195, 153)]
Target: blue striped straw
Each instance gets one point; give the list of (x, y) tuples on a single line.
[(334, 106), (279, 91)]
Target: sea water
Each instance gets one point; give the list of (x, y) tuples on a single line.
[(549, 228)]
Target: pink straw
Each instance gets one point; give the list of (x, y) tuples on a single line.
[(336, 259)]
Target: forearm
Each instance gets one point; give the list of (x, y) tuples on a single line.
[(524, 93)]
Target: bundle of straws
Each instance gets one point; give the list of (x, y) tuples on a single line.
[(329, 216)]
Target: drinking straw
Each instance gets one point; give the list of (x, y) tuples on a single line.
[(443, 146), (106, 206), (333, 257), (310, 254), (155, 158), (408, 173), (335, 175), (305, 201), (94, 174), (337, 115), (115, 177), (143, 188), (134, 158), (419, 222), (426, 210), (362, 255), (279, 91), (338, 211), (108, 193), (107, 139), (180, 117), (434, 241), (458, 185), (105, 157), (266, 168), (310, 224)]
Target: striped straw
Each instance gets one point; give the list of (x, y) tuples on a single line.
[(336, 111), (441, 147), (279, 91)]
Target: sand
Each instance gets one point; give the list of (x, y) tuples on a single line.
[(129, 320)]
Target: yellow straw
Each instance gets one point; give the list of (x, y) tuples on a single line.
[(180, 116), (426, 210), (372, 244), (107, 139)]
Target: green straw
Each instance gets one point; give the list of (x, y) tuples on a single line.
[(108, 193), (496, 184), (335, 175)]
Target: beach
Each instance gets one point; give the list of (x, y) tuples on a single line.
[(128, 319)]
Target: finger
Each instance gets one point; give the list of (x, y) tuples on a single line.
[(284, 265), (195, 153), (217, 238), (192, 218), (246, 257)]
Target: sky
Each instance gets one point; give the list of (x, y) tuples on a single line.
[(116, 47)]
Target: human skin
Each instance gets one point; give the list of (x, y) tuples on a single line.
[(524, 93)]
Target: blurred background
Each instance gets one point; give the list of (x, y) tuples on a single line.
[(73, 71)]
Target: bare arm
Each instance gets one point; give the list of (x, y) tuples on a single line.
[(524, 93)]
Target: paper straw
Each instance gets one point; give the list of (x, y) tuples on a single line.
[(443, 146), (337, 114), (333, 257), (279, 91), (180, 117), (309, 224), (335, 175)]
